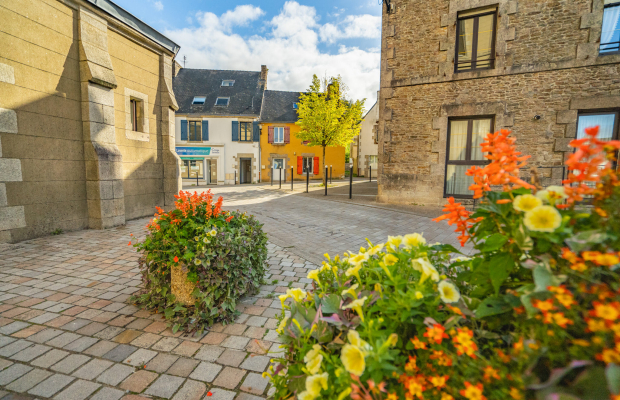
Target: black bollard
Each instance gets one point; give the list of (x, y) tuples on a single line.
[(331, 170), (351, 181), (235, 177), (307, 179), (292, 179), (370, 173), (280, 178), (325, 180)]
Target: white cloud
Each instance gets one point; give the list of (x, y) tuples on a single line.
[(289, 47), (354, 26), (158, 5)]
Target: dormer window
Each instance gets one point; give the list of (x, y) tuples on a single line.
[(222, 101), (199, 100), (228, 82), (295, 106)]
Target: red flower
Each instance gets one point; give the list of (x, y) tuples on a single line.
[(176, 259), (209, 394), (129, 244)]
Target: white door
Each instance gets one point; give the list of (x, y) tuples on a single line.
[(278, 168)]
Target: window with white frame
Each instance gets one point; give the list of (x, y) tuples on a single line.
[(222, 101), (610, 34), (228, 82), (307, 164), (278, 134), (199, 100), (373, 160)]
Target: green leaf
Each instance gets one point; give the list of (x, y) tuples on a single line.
[(330, 304), (492, 306), (175, 328), (613, 378), (500, 267), (584, 240), (543, 278), (494, 242)]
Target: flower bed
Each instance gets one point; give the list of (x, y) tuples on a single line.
[(198, 261), (534, 313)]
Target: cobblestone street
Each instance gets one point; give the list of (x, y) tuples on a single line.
[(68, 331)]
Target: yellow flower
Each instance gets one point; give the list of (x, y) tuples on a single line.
[(394, 241), (526, 202), (413, 240), (345, 393), (350, 291), (378, 289), (354, 271), (312, 353), (355, 340), (543, 219), (552, 194), (375, 249), (314, 274), (314, 365), (205, 239), (283, 298), (426, 268), (358, 259), (393, 339), (446, 396), (352, 358), (305, 395), (390, 259), (297, 294), (392, 396), (515, 393), (419, 295), (326, 255), (448, 292), (213, 232), (282, 325), (315, 383), (325, 267), (357, 306)]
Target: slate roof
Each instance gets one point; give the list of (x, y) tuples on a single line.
[(278, 106), (246, 94)]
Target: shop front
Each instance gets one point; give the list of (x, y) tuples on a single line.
[(200, 165)]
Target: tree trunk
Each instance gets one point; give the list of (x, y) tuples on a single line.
[(325, 177)]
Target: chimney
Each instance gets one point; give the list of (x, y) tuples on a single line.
[(263, 75)]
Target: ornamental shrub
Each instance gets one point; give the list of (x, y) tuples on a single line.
[(223, 253), (534, 313)]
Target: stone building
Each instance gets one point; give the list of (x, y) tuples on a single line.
[(454, 70), (86, 117)]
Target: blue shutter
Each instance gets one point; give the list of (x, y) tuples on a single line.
[(184, 130), (205, 131), (235, 131), (255, 132)]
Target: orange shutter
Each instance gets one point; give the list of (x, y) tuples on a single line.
[(300, 165), (316, 166)]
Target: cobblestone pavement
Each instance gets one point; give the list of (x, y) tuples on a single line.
[(68, 332)]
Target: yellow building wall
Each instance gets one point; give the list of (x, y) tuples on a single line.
[(334, 156)]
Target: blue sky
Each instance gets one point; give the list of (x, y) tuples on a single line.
[(293, 38)]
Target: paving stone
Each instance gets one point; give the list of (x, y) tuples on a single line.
[(4, 340), (254, 383), (166, 344), (138, 381), (127, 336), (28, 381), (100, 348), (120, 353), (115, 375), (60, 321), (235, 342), (256, 321), (13, 372), (146, 340), (275, 351), (191, 390), (30, 353), (255, 332), (231, 357), (31, 330), (45, 335), (14, 327), (15, 347), (70, 363), (255, 363), (140, 357), (272, 336), (206, 372), (183, 367), (165, 386), (5, 364), (187, 348), (75, 325), (93, 369), (247, 396), (79, 390), (91, 328), (108, 394), (50, 358), (109, 332), (63, 340), (214, 338), (139, 324), (81, 344), (209, 353), (161, 363), (51, 385), (221, 394), (229, 378), (43, 318)]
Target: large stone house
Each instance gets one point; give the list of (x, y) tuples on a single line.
[(86, 117), (217, 131), (454, 70)]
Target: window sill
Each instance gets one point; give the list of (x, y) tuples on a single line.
[(277, 144), (139, 136)]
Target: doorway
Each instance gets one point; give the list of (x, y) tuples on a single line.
[(245, 167), (212, 172), (278, 168)]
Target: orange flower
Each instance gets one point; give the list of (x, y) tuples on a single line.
[(442, 359), (490, 372), (129, 244), (464, 343), (609, 356), (515, 393), (436, 333), (560, 320), (455, 310), (563, 296), (543, 306), (229, 218), (503, 201), (417, 343), (411, 365), (439, 381), (415, 386), (609, 312), (503, 357), (472, 392), (504, 166), (176, 259), (602, 259), (457, 214), (518, 346)]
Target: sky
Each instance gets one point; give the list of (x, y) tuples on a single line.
[(294, 38)]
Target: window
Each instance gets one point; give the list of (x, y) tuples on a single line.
[(464, 138), (228, 82), (373, 160), (192, 169), (278, 135), (245, 131), (475, 47), (610, 35), (307, 163), (199, 100), (222, 101), (195, 131), (133, 105), (295, 106)]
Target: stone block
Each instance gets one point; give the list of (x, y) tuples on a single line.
[(12, 217), (3, 198), (561, 144), (510, 34), (511, 7), (254, 383), (567, 117), (8, 121), (99, 94), (589, 103), (93, 34), (444, 44), (165, 386), (438, 146), (192, 390), (587, 51), (88, 17), (571, 131), (391, 52), (445, 20), (7, 74), (79, 390), (390, 30), (440, 122), (591, 20), (51, 385)]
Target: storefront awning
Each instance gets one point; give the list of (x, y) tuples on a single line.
[(192, 158)]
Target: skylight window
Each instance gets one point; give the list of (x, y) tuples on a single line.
[(199, 100), (222, 101), (295, 106), (228, 82)]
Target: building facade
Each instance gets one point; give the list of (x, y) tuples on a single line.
[(454, 70), (86, 117), (365, 146), (281, 150), (217, 131)]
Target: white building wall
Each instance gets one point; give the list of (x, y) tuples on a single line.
[(367, 145)]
